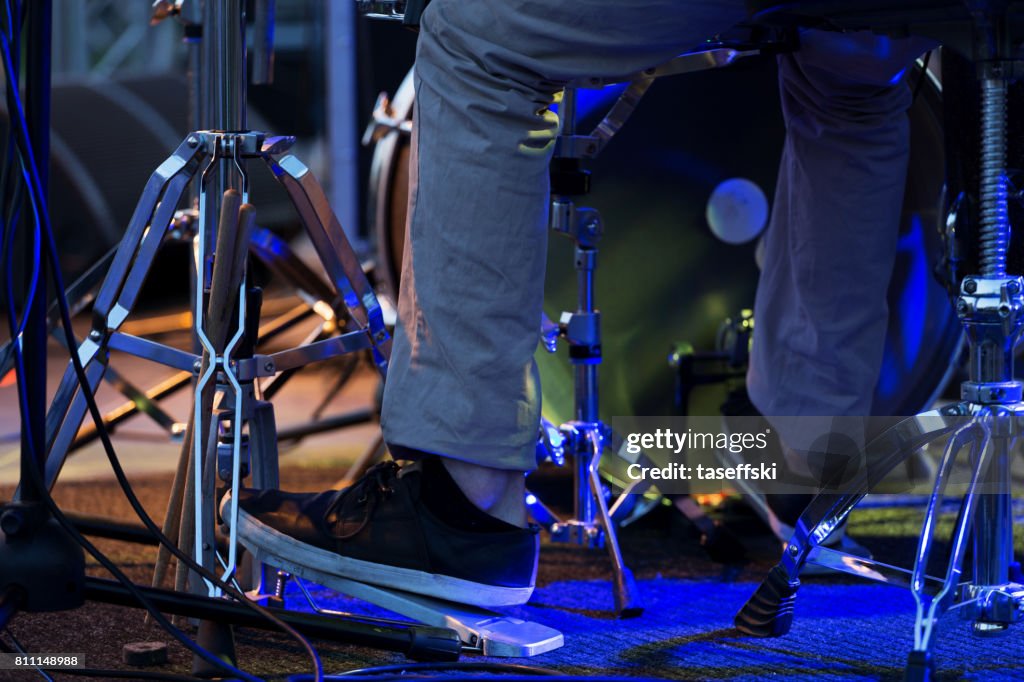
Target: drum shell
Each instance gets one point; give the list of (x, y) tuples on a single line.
[(663, 277)]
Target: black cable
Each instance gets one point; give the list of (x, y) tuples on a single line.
[(17, 122), (42, 217), (458, 665), (112, 674), (21, 650), (561, 677)]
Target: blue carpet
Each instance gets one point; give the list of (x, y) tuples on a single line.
[(840, 632)]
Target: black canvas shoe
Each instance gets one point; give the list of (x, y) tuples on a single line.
[(387, 530)]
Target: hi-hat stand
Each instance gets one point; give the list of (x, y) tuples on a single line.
[(983, 426), (240, 435), (316, 297), (41, 566), (231, 433)]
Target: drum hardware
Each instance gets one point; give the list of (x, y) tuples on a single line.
[(493, 633), (43, 566), (384, 121), (387, 10), (480, 631), (407, 12), (386, 211), (225, 308), (984, 425), (274, 253), (587, 436), (727, 363)]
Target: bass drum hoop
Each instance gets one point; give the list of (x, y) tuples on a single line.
[(386, 207)]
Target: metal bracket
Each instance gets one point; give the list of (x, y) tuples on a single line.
[(582, 224), (223, 143), (690, 62)]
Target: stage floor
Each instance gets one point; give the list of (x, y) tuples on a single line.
[(843, 629)]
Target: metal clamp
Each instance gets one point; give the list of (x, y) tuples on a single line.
[(222, 144), (579, 223)]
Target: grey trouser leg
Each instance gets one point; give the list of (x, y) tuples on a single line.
[(830, 247), (462, 380)]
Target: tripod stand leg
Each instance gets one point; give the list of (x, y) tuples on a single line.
[(334, 250), (118, 294), (627, 596), (148, 248), (769, 611), (66, 415), (275, 253), (930, 607), (161, 195)]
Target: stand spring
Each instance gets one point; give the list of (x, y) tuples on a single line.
[(995, 219)]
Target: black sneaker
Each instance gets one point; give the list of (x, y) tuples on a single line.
[(386, 530)]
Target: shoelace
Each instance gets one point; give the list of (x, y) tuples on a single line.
[(376, 484)]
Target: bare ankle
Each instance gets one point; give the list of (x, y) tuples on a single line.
[(499, 492)]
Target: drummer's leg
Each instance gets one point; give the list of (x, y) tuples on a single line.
[(462, 381), (829, 251)]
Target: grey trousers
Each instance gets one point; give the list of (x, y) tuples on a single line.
[(462, 381)]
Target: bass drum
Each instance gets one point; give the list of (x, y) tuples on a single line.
[(664, 278)]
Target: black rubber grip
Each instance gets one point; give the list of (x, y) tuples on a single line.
[(769, 611), (433, 644), (920, 667), (627, 596)]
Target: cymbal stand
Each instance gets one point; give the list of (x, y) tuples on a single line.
[(984, 425)]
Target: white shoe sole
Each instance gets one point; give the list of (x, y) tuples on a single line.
[(324, 568)]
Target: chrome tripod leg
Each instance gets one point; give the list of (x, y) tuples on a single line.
[(68, 409), (930, 607), (627, 596), (334, 250), (118, 294), (277, 255), (769, 611), (146, 229)]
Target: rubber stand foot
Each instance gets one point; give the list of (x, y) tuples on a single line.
[(769, 611), (627, 596), (219, 640), (920, 667)]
